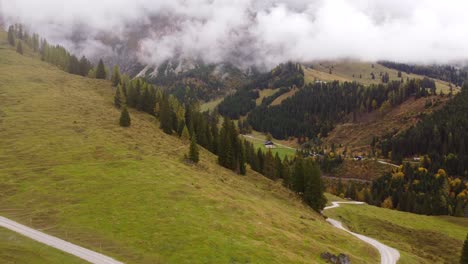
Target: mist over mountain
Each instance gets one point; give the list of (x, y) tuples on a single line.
[(246, 32)]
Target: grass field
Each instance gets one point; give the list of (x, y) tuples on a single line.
[(265, 93), (283, 147), (345, 69), (364, 169), (68, 169), (211, 105), (15, 248), (419, 238), (357, 136)]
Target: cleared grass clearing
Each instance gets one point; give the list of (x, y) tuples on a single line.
[(357, 136), (282, 152), (211, 105), (419, 238), (351, 70), (67, 168), (364, 169), (15, 248), (265, 93), (284, 96)]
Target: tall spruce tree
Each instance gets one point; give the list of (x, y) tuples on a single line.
[(119, 97), (313, 194), (125, 117), (19, 48), (165, 116), (193, 152), (185, 135), (100, 70), (116, 76), (464, 254), (11, 36)]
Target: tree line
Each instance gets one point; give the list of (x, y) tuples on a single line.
[(410, 188), (416, 189), (300, 174), (316, 108), (54, 54), (442, 72)]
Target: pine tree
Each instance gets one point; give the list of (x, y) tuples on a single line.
[(242, 160), (119, 97), (11, 36), (165, 116), (185, 136), (116, 76), (193, 152), (100, 70), (19, 48), (125, 117), (464, 254), (313, 191)]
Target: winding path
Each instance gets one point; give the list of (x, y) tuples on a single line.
[(57, 243), (388, 255)]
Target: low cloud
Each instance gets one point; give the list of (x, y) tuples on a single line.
[(248, 32)]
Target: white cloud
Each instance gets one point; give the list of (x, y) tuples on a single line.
[(263, 32)]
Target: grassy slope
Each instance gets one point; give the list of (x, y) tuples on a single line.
[(344, 71), (265, 93), (211, 105), (15, 248), (419, 238), (365, 169), (358, 136), (67, 168)]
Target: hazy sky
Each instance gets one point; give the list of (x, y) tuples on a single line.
[(263, 32)]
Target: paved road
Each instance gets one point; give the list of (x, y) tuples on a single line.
[(346, 179), (57, 243), (388, 255), (388, 163)]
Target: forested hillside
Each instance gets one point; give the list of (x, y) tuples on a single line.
[(243, 101), (314, 110), (441, 136)]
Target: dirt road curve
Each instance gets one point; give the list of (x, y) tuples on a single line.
[(57, 243), (388, 255)]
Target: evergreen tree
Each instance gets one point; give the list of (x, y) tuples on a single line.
[(119, 97), (116, 76), (100, 70), (125, 117), (165, 116), (19, 48), (185, 136), (11, 36), (242, 160), (193, 152), (313, 191), (464, 254)]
